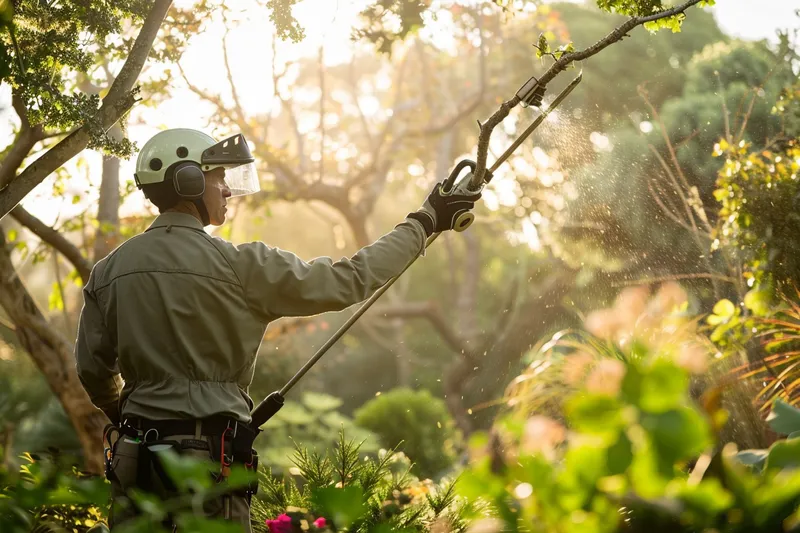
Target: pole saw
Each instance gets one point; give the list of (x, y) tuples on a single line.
[(530, 94)]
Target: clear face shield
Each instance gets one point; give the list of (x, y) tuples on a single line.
[(234, 156)]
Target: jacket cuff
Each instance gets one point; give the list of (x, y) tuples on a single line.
[(425, 219)]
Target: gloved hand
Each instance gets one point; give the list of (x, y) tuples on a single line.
[(440, 211)]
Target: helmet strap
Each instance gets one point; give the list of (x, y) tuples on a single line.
[(203, 210)]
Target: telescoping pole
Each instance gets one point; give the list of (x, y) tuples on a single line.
[(272, 403)]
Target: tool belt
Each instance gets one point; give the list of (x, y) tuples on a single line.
[(227, 441)]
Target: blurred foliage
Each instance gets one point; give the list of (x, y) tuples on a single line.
[(649, 417), (313, 421), (784, 420), (49, 495), (636, 324), (632, 451), (766, 330), (31, 418), (417, 423), (386, 22), (376, 495)]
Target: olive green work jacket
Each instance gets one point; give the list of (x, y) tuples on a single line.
[(180, 314)]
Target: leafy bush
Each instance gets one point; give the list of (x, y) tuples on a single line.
[(757, 191), (416, 422), (315, 422), (373, 495), (49, 495), (628, 449)]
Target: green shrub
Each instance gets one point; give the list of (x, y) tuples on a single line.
[(417, 423), (375, 495), (627, 448), (313, 421)]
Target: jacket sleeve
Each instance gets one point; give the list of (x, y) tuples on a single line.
[(96, 356), (278, 283)]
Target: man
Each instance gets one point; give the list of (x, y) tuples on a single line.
[(175, 317)]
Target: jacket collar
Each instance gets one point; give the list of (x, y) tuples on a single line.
[(176, 219)]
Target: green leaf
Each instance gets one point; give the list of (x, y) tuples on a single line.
[(6, 11), (55, 302), (784, 419), (480, 482), (594, 413), (185, 471), (619, 456), (585, 462), (680, 433), (342, 505), (754, 459), (724, 308), (758, 301), (783, 454), (707, 498), (664, 387), (543, 47), (240, 477)]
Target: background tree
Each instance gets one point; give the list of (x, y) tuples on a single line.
[(48, 48)]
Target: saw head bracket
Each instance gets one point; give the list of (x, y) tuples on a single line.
[(531, 93)]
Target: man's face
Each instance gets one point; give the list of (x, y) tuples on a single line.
[(216, 196)]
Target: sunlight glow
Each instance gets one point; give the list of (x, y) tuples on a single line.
[(416, 170), (601, 142), (541, 157)]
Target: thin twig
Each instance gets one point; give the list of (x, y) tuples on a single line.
[(229, 75), (664, 209)]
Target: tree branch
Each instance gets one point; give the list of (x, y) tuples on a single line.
[(473, 102), (24, 142), (557, 67), (116, 103), (55, 239), (229, 74), (433, 313)]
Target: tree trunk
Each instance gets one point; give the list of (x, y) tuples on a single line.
[(107, 237), (53, 355)]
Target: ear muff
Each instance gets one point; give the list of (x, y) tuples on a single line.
[(189, 180)]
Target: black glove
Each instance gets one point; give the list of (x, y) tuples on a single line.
[(440, 211)]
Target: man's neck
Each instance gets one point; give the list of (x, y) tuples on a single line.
[(186, 207)]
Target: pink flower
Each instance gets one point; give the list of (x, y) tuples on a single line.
[(320, 522), (282, 524)]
